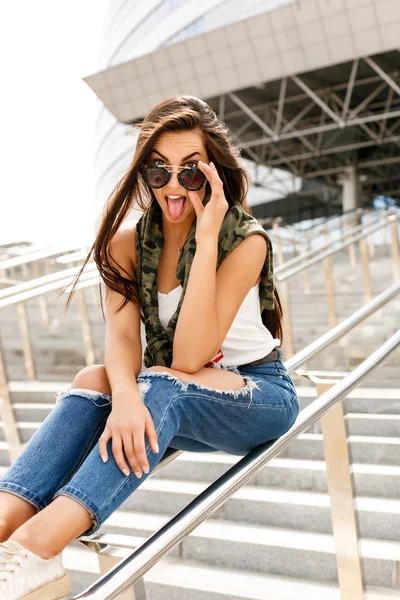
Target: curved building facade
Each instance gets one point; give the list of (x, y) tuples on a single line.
[(308, 89), (135, 29)]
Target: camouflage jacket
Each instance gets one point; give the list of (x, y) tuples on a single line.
[(236, 226)]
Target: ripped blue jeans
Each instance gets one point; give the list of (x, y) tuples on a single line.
[(62, 457)]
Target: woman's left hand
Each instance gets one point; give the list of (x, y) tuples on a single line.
[(211, 216)]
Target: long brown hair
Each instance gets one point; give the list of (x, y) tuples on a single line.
[(177, 113)]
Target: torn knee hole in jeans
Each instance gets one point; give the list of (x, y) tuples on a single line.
[(92, 395), (144, 386)]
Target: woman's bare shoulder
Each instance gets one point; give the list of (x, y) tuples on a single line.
[(125, 240)]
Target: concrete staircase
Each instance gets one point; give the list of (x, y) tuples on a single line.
[(273, 539)]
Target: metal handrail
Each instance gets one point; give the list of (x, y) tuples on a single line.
[(304, 232), (9, 282), (335, 334), (47, 283), (16, 261), (133, 567), (348, 233), (343, 217), (325, 256), (327, 253)]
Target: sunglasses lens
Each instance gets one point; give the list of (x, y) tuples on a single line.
[(192, 179), (156, 177)]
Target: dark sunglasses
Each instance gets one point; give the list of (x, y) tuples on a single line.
[(158, 176)]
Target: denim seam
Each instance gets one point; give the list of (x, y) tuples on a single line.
[(23, 494), (292, 394)]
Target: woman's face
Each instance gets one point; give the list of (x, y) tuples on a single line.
[(178, 148)]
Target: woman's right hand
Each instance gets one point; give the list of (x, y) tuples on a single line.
[(127, 425)]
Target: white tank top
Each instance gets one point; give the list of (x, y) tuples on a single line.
[(247, 339)]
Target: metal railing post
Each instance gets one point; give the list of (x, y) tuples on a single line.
[(395, 250), (365, 269), (371, 245), (11, 433), (86, 328), (352, 252), (306, 276), (90, 354), (136, 592), (285, 299), (23, 323), (385, 233), (342, 494), (278, 245), (330, 291), (44, 310)]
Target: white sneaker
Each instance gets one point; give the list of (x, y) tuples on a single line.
[(27, 576)]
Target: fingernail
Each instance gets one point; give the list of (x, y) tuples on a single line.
[(157, 448), (145, 469), (103, 458), (138, 474), (125, 472)]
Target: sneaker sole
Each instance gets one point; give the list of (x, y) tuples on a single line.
[(55, 590)]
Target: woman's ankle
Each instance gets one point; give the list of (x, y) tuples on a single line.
[(37, 544), (15, 512), (5, 530)]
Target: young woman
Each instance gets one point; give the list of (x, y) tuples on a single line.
[(197, 269)]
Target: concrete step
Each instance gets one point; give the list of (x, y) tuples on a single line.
[(271, 507), (82, 566), (365, 400), (180, 579), (364, 449), (372, 424), (268, 550), (377, 481)]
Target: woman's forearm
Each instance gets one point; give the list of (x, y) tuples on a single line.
[(196, 332), (123, 362)]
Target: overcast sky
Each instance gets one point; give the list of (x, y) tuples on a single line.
[(47, 116)]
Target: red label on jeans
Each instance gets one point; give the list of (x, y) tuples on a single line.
[(219, 356)]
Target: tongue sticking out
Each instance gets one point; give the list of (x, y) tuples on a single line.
[(176, 207)]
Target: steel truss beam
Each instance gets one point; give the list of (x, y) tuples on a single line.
[(321, 130)]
